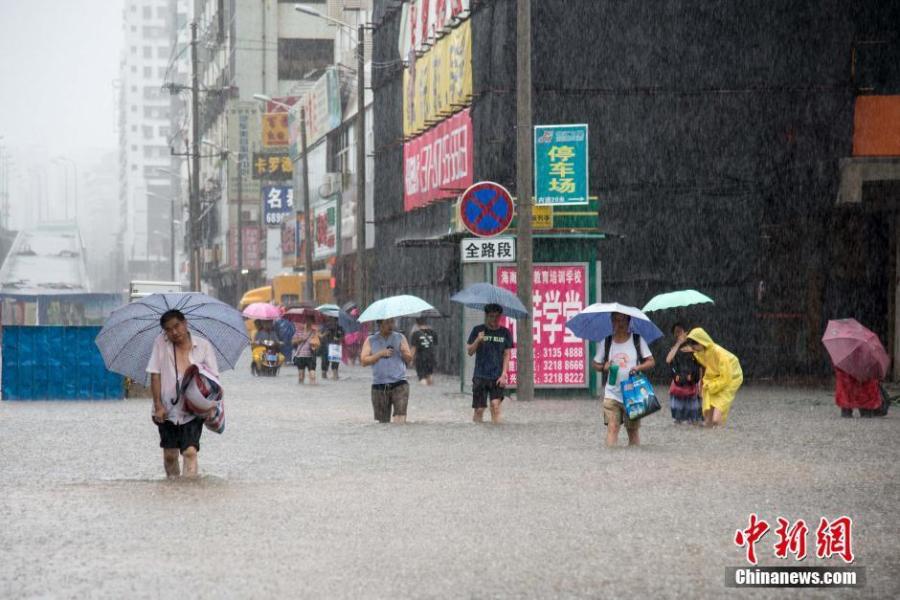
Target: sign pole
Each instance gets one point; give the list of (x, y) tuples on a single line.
[(524, 342), (307, 216)]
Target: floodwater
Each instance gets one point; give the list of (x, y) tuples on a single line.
[(305, 496)]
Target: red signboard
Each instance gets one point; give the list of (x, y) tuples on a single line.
[(251, 251), (559, 292), (438, 163)]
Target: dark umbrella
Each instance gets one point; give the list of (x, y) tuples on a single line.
[(126, 340)]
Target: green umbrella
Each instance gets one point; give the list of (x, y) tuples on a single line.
[(675, 300)]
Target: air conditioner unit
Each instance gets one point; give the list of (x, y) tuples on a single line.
[(332, 184)]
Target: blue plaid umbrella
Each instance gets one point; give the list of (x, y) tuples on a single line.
[(126, 340)]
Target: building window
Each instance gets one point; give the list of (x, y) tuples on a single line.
[(148, 72), (148, 12), (163, 131), (148, 52), (134, 49), (162, 12), (134, 68), (298, 57), (163, 52), (133, 108), (148, 132), (162, 72)]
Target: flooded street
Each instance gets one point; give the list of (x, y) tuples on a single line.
[(305, 496)]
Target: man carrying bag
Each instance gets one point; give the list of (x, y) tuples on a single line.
[(623, 354)]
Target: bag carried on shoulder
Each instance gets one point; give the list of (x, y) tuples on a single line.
[(638, 397)]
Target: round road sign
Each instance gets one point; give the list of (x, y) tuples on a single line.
[(486, 208)]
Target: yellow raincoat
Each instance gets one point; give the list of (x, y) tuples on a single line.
[(722, 376)]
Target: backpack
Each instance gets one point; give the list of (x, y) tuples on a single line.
[(607, 344)]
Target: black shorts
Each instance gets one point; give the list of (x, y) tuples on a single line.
[(181, 436), (326, 363), (482, 389), (305, 362), (424, 367)]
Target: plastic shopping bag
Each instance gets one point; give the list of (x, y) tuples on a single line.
[(638, 397)]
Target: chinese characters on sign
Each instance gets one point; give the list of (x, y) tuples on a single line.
[(251, 250), (289, 241), (833, 538), (559, 292), (493, 249), (275, 130), (438, 163), (278, 202), (438, 83), (276, 167), (324, 229), (561, 164)]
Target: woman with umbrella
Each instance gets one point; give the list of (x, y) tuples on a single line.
[(174, 350), (196, 330), (859, 361)]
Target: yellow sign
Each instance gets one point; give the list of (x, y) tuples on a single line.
[(439, 83), (275, 130), (542, 217)]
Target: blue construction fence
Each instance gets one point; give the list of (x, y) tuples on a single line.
[(55, 363)]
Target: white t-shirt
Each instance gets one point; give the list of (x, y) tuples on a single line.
[(162, 361), (621, 354)]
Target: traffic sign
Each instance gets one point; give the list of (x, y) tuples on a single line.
[(486, 208), (493, 249)]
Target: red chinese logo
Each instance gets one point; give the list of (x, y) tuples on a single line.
[(748, 537), (832, 538)]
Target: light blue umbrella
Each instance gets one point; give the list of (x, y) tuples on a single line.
[(595, 322), (126, 340), (396, 306), (479, 295), (676, 300)]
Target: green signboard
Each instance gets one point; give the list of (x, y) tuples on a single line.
[(561, 164)]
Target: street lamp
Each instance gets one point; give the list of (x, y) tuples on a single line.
[(360, 283)]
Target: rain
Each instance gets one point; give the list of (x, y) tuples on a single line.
[(266, 271)]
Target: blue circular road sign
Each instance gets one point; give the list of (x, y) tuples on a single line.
[(486, 208)]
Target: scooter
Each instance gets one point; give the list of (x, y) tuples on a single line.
[(267, 359)]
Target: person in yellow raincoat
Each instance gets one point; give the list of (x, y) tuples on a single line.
[(721, 378)]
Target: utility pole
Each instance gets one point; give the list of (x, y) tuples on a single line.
[(360, 283), (524, 269), (194, 202), (240, 225), (307, 215)]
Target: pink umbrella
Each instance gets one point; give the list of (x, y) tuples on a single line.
[(856, 350), (262, 310)]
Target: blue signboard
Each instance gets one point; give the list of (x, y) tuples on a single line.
[(561, 164), (278, 202)]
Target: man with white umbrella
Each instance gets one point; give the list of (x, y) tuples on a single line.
[(619, 356), (388, 353)]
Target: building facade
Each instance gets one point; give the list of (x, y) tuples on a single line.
[(144, 127), (721, 141)]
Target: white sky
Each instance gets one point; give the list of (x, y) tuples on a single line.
[(58, 61)]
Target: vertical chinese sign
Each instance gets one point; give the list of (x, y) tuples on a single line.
[(561, 164), (560, 292)]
